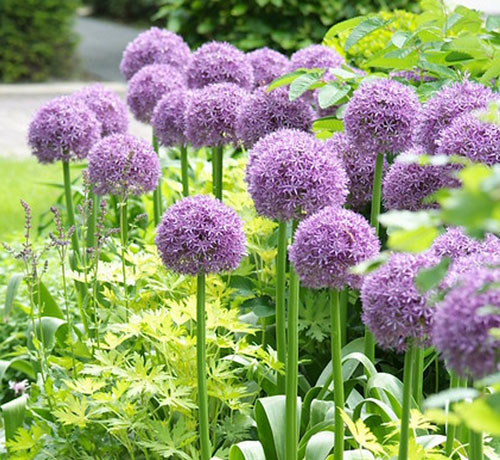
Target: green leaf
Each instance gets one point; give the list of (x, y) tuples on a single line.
[(479, 416), (11, 294), (429, 278), (53, 329), (363, 29), (328, 124), (18, 364), (417, 240), (492, 23), (443, 398), (343, 26), (319, 446), (492, 72), (331, 94), (407, 220), (13, 415), (46, 302), (285, 80), (247, 450), (301, 84), (400, 38)]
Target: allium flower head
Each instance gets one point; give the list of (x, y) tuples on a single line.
[(445, 105), (393, 308), (315, 56), (149, 85), (107, 107), (267, 65), (212, 114), (290, 174), (169, 121), (470, 137), (122, 165), (381, 116), (265, 112), (462, 331), (154, 46), (327, 244), (412, 76), (200, 234), (408, 184), (65, 128), (359, 167), (219, 62)]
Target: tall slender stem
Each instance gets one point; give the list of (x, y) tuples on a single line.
[(201, 367), (418, 377), (70, 210), (280, 300), (338, 381), (475, 445), (124, 241), (157, 199), (92, 221), (405, 416), (184, 170), (217, 170), (451, 429), (344, 300), (292, 366)]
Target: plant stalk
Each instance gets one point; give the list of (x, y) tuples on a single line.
[(217, 170), (70, 210), (418, 377), (451, 429), (475, 445), (280, 301), (157, 199), (124, 242), (91, 226), (405, 416), (344, 300), (184, 170)]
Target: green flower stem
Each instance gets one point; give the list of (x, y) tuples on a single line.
[(344, 300), (201, 359), (338, 381), (124, 242), (157, 199), (292, 366), (475, 445), (70, 210), (405, 416), (217, 170), (418, 377), (92, 221), (280, 300), (184, 170), (451, 429)]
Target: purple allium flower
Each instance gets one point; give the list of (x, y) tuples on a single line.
[(408, 184), (149, 85), (154, 46), (107, 107), (359, 167), (267, 65), (327, 244), (212, 114), (19, 387), (470, 137), (200, 234), (219, 62), (315, 56), (169, 120), (381, 116), (486, 257), (445, 105), (65, 128), (265, 112), (393, 308), (122, 165), (461, 331), (290, 174), (412, 76)]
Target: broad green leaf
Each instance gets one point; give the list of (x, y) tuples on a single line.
[(247, 450), (492, 72), (46, 302), (10, 295), (429, 278), (319, 409), (285, 80), (320, 446), (18, 364), (13, 415), (343, 26), (301, 84), (331, 94), (364, 28), (406, 61), (328, 124), (417, 240), (479, 416), (358, 454), (344, 74), (376, 407), (51, 329), (443, 398), (492, 23), (400, 38), (407, 220)]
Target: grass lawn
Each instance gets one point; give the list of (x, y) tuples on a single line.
[(24, 179)]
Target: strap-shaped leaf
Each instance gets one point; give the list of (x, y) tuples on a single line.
[(10, 295), (319, 446), (13, 415), (46, 302), (247, 450)]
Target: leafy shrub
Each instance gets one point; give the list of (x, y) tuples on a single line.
[(126, 10), (36, 39)]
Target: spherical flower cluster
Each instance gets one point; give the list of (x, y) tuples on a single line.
[(393, 308), (445, 105), (219, 62), (63, 129), (461, 332), (359, 167), (149, 85), (381, 116), (327, 244), (200, 234), (472, 138), (212, 114), (407, 185), (290, 174), (486, 257), (107, 107), (122, 165), (265, 112), (154, 46), (315, 56), (168, 119), (267, 65)]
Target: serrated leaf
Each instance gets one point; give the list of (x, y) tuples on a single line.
[(343, 26), (301, 84), (417, 240), (328, 124), (285, 80), (363, 29), (331, 94)]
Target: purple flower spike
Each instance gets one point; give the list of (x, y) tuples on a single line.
[(149, 85), (65, 128), (290, 174), (212, 114), (200, 234), (381, 116), (408, 184), (265, 112), (169, 121), (462, 332), (472, 138), (107, 107), (359, 167), (315, 56), (122, 165), (445, 105), (327, 244), (154, 46), (267, 65), (393, 308), (219, 62)]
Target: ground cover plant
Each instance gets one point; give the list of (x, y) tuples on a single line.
[(302, 264)]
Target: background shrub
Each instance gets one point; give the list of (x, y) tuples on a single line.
[(36, 39)]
